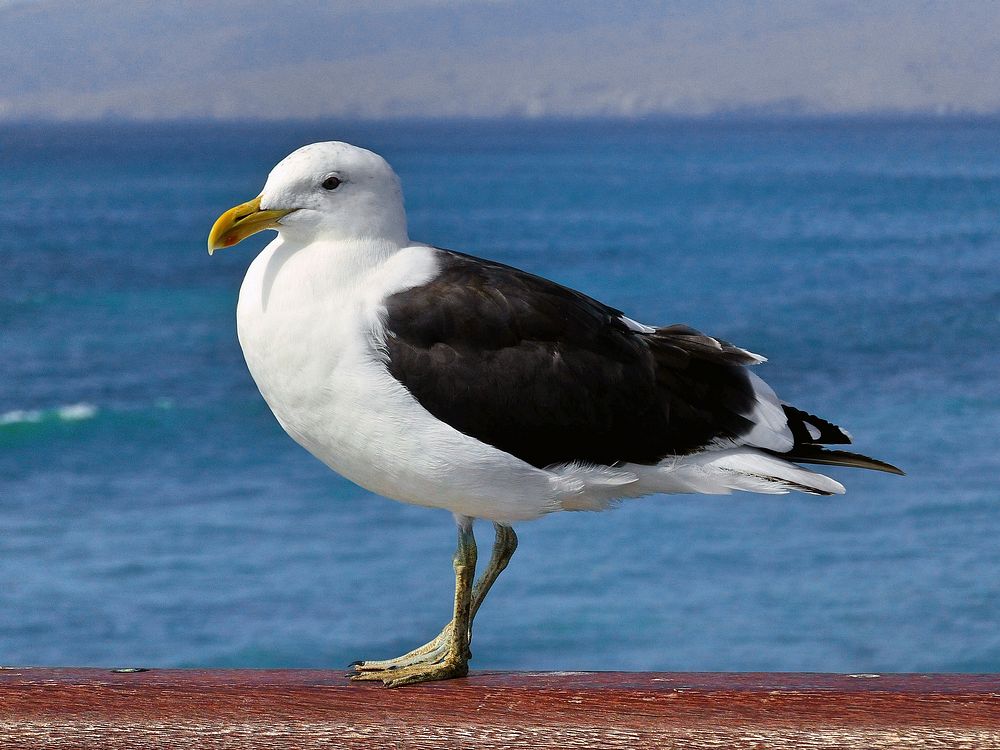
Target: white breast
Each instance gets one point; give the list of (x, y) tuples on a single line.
[(309, 322)]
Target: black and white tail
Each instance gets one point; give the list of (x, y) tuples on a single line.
[(812, 433)]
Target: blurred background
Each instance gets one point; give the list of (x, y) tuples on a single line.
[(816, 181)]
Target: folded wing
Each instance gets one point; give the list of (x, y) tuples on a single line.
[(552, 376)]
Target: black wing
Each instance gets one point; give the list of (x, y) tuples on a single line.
[(552, 376)]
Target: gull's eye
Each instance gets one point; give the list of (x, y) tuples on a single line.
[(331, 183)]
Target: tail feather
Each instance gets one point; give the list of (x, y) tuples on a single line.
[(758, 470)]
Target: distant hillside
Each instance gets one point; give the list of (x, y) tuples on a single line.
[(68, 59)]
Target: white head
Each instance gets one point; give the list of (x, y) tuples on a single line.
[(323, 191)]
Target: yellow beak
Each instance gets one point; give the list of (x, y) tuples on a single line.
[(240, 222)]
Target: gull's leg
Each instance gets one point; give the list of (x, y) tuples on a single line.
[(503, 549), (453, 661)]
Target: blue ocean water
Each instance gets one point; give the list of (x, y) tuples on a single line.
[(153, 513)]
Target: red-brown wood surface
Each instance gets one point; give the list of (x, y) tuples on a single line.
[(99, 708)]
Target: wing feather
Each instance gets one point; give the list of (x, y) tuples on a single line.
[(553, 376)]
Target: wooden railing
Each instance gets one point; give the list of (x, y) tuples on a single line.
[(302, 709)]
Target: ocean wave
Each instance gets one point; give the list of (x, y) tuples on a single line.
[(68, 413)]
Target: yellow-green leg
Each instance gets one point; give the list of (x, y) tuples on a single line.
[(439, 659), (454, 661), (504, 546)]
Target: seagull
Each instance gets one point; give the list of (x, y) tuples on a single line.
[(448, 381)]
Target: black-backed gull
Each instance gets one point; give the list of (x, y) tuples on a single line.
[(444, 380)]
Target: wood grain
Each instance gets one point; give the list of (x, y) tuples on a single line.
[(98, 708)]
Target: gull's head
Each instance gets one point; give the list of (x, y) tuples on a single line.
[(323, 191)]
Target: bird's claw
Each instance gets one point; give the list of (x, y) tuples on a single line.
[(436, 660), (452, 666)]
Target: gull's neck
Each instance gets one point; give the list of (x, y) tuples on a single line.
[(326, 263)]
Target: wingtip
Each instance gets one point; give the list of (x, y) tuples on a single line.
[(875, 464), (816, 454)]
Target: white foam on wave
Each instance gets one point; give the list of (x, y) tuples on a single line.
[(20, 416), (68, 413), (76, 412)]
